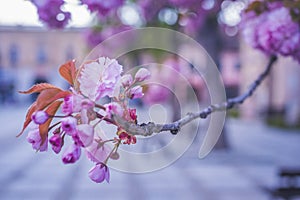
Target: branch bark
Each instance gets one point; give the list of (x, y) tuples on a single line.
[(150, 128)]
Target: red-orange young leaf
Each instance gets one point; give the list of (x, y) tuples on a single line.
[(38, 88), (68, 71), (46, 97), (51, 110), (30, 111)]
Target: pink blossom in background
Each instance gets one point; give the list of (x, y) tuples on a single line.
[(103, 7), (191, 4), (150, 8), (35, 139), (99, 78), (192, 22), (273, 32), (71, 154), (93, 37), (279, 34), (99, 173), (50, 12), (98, 152), (250, 26), (156, 94)]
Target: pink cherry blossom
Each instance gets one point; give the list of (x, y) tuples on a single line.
[(35, 139), (100, 78), (56, 142), (135, 92), (142, 74), (85, 134), (40, 117), (99, 173), (98, 151), (113, 108), (72, 104), (68, 124), (126, 80), (71, 154)]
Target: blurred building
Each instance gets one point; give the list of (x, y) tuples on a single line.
[(33, 54)]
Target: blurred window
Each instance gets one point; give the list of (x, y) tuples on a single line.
[(41, 55), (13, 55), (69, 53)]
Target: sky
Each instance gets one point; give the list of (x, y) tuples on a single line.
[(23, 12)]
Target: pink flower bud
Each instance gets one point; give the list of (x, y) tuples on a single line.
[(68, 124), (115, 156), (85, 134), (71, 154), (135, 92), (67, 105), (113, 108), (99, 173), (126, 80), (57, 142), (35, 140), (132, 114), (127, 138), (40, 117), (142, 74)]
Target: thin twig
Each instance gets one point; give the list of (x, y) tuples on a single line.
[(105, 118), (150, 128)]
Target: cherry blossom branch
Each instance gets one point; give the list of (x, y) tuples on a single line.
[(150, 128)]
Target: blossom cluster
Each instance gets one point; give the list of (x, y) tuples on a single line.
[(272, 30), (81, 112), (51, 13), (190, 12)]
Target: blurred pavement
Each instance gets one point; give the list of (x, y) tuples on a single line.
[(241, 172)]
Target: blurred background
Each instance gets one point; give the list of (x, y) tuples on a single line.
[(260, 138)]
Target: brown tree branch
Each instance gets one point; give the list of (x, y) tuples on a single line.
[(150, 128)]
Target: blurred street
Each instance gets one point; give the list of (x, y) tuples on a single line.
[(244, 171)]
